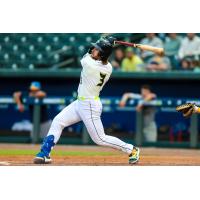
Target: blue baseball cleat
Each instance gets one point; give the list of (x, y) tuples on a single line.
[(43, 157), (134, 156)]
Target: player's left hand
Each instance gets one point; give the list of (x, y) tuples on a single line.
[(187, 109), (21, 107)]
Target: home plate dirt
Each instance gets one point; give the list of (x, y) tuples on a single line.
[(65, 155)]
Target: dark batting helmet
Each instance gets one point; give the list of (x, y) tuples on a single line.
[(105, 46)]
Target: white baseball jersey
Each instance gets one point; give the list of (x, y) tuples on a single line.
[(94, 75)]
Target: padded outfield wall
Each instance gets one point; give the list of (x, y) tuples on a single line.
[(65, 83)]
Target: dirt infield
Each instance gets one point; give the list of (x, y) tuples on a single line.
[(15, 154)]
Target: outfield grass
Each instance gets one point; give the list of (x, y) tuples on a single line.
[(16, 152)]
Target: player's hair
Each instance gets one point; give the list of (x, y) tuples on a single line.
[(148, 87), (104, 59)]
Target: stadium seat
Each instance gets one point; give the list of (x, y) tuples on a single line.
[(14, 66), (37, 50)]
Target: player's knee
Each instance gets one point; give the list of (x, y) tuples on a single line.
[(99, 140), (57, 118), (57, 121)]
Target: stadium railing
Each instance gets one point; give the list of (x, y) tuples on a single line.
[(109, 102)]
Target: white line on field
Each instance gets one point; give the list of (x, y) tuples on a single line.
[(4, 163)]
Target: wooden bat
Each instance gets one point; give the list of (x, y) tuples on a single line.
[(156, 50)]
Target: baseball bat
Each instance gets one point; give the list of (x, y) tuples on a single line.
[(156, 50)]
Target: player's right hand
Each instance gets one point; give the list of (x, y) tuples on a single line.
[(187, 109), (21, 107), (122, 103)]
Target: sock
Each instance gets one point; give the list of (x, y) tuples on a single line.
[(48, 144)]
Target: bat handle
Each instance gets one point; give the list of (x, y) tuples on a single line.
[(137, 45)]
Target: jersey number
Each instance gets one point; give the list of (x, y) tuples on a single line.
[(102, 78)]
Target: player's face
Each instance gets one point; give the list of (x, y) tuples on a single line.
[(144, 92), (33, 92), (95, 54)]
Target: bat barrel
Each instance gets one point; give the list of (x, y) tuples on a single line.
[(125, 43), (156, 50)]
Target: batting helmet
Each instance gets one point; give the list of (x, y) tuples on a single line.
[(105, 46)]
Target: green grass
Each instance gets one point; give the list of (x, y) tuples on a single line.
[(18, 152)]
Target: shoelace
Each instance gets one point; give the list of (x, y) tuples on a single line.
[(134, 153)]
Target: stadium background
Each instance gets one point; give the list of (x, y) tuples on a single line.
[(53, 59)]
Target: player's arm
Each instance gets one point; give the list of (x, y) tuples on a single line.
[(125, 98), (188, 109), (17, 98), (150, 97), (40, 94)]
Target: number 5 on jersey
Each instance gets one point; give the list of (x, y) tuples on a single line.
[(102, 79)]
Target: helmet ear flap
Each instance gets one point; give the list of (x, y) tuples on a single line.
[(103, 57)]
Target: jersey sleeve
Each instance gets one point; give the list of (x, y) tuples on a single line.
[(137, 96), (86, 60)]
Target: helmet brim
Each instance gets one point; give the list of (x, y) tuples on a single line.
[(97, 46)]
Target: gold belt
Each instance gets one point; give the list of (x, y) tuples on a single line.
[(86, 98)]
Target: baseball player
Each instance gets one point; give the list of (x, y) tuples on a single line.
[(149, 124), (35, 91), (96, 71)]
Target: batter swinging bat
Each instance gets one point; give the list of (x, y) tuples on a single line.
[(156, 50)]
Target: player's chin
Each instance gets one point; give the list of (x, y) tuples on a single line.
[(95, 57)]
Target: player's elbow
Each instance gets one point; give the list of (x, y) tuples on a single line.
[(16, 95)]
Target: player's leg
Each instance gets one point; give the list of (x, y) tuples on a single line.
[(150, 132), (66, 117), (96, 131), (90, 115)]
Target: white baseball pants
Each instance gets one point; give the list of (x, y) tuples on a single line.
[(88, 111)]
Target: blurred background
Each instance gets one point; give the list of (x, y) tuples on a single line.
[(50, 63)]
